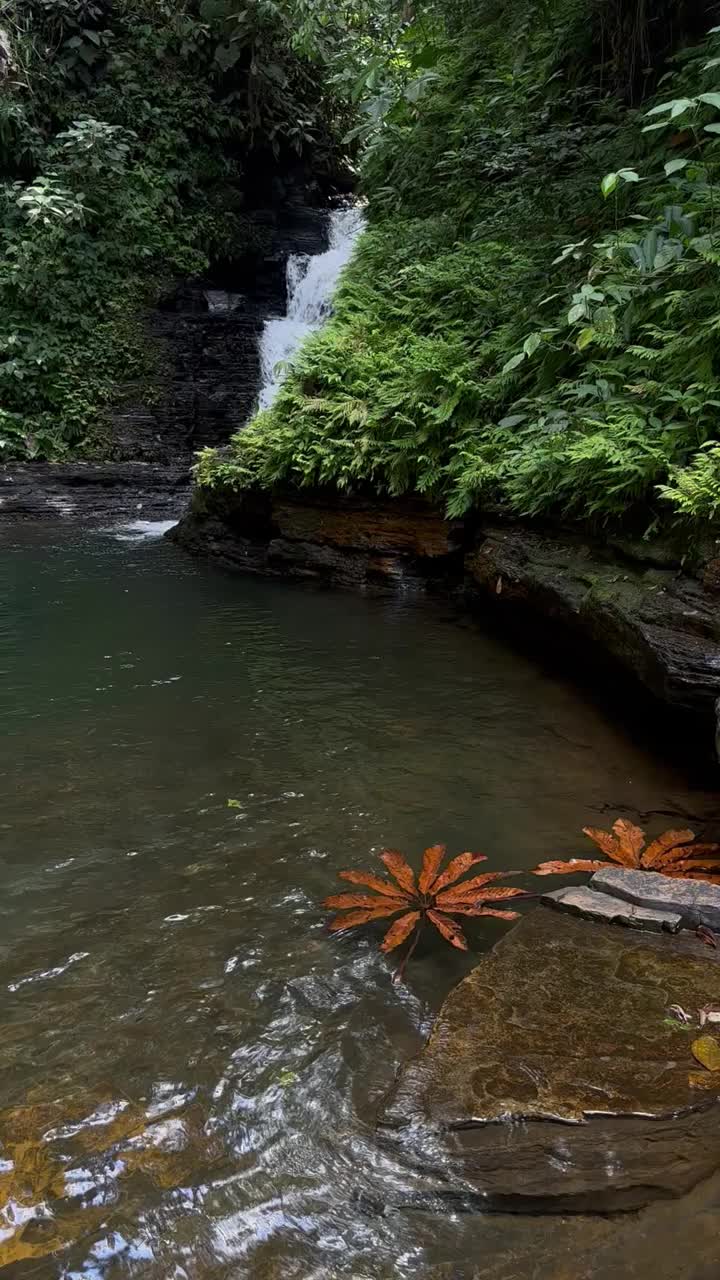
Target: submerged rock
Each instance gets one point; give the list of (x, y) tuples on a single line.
[(561, 1034)]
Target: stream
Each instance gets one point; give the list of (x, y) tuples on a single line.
[(191, 1065)]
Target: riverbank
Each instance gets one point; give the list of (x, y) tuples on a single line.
[(632, 602)]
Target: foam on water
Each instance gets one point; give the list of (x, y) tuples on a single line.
[(140, 530), (311, 283)]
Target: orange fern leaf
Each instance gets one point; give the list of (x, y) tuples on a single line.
[(456, 868), (372, 882), (399, 931), (399, 869), (432, 861), (449, 929)]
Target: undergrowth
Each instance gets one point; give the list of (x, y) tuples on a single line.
[(511, 331)]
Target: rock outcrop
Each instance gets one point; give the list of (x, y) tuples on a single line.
[(553, 1080), (635, 605)]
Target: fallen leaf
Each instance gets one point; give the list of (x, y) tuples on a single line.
[(431, 863), (400, 930), (568, 868), (665, 846), (456, 868), (351, 901), (449, 930), (707, 1052), (703, 1080), (706, 935), (372, 882), (399, 869), (630, 843)]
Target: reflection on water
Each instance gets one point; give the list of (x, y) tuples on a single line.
[(190, 1064)]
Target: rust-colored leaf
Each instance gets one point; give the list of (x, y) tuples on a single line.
[(449, 929), (706, 1051), (604, 840), (450, 901), (371, 881), (665, 845), (707, 936), (630, 843), (400, 930), (456, 868), (431, 863), (354, 918), (486, 911), (399, 869), (568, 868), (472, 888), (350, 901)]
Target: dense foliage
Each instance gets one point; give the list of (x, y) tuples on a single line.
[(532, 317), (132, 133)]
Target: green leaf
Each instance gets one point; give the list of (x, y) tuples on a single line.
[(226, 56), (585, 337), (674, 166), (628, 175), (650, 128), (578, 312), (531, 344), (714, 62), (609, 184), (712, 128), (712, 99), (681, 106), (514, 362)]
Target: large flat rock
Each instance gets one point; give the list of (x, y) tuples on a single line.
[(583, 901), (695, 901), (561, 1033)]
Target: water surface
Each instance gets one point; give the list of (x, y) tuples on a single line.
[(190, 1064)]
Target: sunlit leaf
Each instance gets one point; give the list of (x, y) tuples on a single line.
[(355, 918), (432, 861), (707, 1052), (456, 868), (400, 930), (351, 901), (630, 843), (372, 882), (470, 888), (665, 847), (399, 869), (568, 868), (449, 930), (604, 840)]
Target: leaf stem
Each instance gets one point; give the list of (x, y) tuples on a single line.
[(400, 971)]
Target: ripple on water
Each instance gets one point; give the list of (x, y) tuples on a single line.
[(191, 1065)]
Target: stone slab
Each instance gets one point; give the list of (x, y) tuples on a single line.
[(695, 901), (583, 901), (561, 1033)]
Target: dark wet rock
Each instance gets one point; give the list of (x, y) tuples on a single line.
[(561, 1034), (695, 901), (659, 623), (92, 491), (583, 901)]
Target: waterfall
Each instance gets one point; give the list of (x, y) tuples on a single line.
[(311, 281)]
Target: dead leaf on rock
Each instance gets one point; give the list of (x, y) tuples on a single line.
[(706, 1051)]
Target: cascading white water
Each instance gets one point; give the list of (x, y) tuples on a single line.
[(311, 281)]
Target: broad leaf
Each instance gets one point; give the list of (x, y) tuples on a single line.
[(400, 930), (674, 166), (432, 861), (399, 869), (604, 840), (456, 868), (470, 888), (707, 1052), (568, 868), (351, 901), (665, 847), (371, 881), (630, 843), (449, 930), (355, 918)]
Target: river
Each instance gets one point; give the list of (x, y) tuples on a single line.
[(190, 1063)]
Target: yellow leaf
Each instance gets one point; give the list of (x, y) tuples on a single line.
[(707, 1052)]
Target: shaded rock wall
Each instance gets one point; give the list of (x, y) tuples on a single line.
[(635, 605)]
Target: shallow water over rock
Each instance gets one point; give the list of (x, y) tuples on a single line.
[(191, 1067)]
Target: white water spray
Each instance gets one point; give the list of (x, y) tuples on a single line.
[(311, 281)]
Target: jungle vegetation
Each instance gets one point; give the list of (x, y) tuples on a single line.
[(531, 320)]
